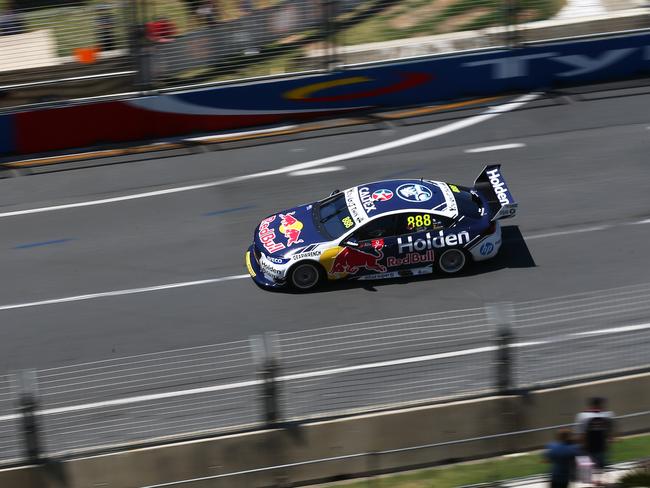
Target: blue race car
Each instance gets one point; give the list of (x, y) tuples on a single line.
[(384, 229)]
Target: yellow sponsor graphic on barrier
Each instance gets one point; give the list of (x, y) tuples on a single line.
[(305, 92)]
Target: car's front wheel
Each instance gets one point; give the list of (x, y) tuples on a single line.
[(452, 261), (305, 276)]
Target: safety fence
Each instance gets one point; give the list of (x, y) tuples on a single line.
[(77, 49), (324, 373)]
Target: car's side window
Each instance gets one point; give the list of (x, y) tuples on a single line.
[(410, 222), (381, 227)]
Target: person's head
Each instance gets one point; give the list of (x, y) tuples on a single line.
[(596, 403), (564, 435)]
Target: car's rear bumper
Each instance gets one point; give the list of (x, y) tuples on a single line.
[(488, 247), (255, 271)]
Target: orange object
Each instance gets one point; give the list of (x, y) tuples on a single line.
[(86, 55)]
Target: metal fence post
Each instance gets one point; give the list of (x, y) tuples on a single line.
[(140, 48), (27, 406), (266, 353), (500, 316), (510, 23), (330, 9)]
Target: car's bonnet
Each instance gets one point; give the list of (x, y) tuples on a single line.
[(281, 233)]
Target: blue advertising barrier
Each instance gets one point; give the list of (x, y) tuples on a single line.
[(7, 136), (388, 85)]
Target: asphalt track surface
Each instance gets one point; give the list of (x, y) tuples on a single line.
[(578, 167), (584, 164)]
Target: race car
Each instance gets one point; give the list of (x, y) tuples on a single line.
[(384, 229)]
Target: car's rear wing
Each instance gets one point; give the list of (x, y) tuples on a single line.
[(491, 184)]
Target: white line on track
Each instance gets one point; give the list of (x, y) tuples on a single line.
[(569, 232), (116, 293), (501, 147), (210, 281), (237, 134), (438, 131), (327, 372), (315, 171)]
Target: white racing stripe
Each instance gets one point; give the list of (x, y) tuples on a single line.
[(438, 131), (501, 147), (327, 372)]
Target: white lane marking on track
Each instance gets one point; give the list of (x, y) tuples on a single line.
[(438, 131), (568, 232), (243, 276), (116, 293), (640, 222), (501, 147), (316, 171), (325, 372), (236, 134)]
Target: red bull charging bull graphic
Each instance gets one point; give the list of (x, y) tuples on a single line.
[(291, 227), (350, 260)]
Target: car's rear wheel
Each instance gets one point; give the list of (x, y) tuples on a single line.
[(305, 276), (452, 261)]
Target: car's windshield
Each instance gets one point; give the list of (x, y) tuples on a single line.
[(334, 216)]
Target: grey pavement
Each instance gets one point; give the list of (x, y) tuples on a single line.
[(581, 180)]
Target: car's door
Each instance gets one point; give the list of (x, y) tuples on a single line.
[(366, 250), (419, 237)]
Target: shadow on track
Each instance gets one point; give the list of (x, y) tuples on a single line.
[(514, 253)]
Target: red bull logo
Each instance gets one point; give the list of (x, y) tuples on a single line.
[(291, 227), (351, 260), (267, 236)]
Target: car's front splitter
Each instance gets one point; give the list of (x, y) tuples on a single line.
[(255, 271)]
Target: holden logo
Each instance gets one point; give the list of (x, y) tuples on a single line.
[(414, 192)]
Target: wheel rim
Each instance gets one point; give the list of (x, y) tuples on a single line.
[(305, 276), (452, 261)]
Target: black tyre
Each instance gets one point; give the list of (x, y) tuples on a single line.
[(305, 276), (452, 261)]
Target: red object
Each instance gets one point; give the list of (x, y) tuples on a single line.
[(350, 260), (161, 30)]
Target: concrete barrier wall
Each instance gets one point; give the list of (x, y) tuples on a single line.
[(397, 84), (361, 434)]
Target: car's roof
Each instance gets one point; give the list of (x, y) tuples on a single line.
[(381, 197)]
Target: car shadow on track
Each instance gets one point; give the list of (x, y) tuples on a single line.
[(514, 253)]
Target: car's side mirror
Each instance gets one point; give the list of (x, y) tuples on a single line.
[(351, 242), (335, 192)]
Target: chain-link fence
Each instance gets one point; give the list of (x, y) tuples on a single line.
[(334, 371), (51, 53)]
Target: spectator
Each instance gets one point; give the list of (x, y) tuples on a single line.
[(105, 27), (160, 30), (11, 22), (206, 14), (562, 455), (595, 426)]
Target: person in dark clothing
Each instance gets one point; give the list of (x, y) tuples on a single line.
[(595, 426), (562, 455), (11, 21), (105, 27)]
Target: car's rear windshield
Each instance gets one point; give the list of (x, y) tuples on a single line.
[(334, 217), (469, 204)]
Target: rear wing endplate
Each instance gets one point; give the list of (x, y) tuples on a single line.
[(491, 184)]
